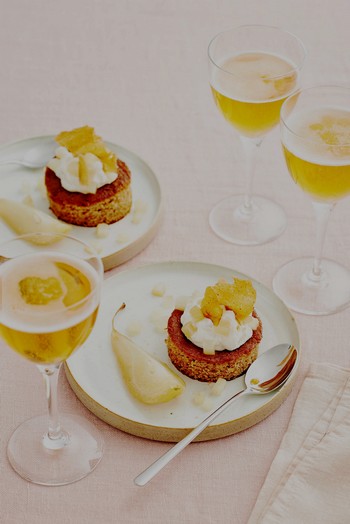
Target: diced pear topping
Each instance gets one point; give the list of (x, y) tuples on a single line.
[(224, 327), (83, 171), (181, 302), (75, 139), (196, 313), (208, 348), (83, 140), (189, 329), (218, 387), (102, 230), (39, 291), (238, 297), (158, 289), (211, 307)]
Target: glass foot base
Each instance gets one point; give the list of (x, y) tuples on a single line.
[(231, 221), (55, 467), (294, 284)]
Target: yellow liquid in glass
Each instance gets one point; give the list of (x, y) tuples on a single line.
[(320, 162), (36, 321), (250, 89), (48, 348)]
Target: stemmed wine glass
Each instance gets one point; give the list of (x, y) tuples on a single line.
[(252, 69), (50, 293), (315, 131)]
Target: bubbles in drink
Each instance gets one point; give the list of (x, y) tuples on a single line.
[(255, 77), (317, 149), (250, 88), (321, 135)]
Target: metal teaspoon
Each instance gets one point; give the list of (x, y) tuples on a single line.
[(267, 373)]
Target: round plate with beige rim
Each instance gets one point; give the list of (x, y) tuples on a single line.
[(95, 377), (125, 238)]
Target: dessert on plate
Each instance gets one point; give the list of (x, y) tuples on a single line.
[(86, 183), (218, 334)]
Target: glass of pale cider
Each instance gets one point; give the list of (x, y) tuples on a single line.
[(252, 70), (315, 132), (50, 293)]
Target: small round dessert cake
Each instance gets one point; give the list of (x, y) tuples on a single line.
[(86, 184), (198, 336)]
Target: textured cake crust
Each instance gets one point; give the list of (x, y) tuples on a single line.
[(191, 361), (109, 204)]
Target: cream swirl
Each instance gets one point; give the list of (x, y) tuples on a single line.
[(228, 334), (66, 167)]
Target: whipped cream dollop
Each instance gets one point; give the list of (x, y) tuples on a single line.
[(66, 167), (228, 334)]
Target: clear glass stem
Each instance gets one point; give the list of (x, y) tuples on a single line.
[(56, 437), (322, 213), (251, 147)]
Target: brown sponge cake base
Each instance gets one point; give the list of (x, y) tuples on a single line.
[(109, 204), (191, 361)]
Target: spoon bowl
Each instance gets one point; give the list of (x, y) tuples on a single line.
[(271, 369), (34, 157), (267, 373)]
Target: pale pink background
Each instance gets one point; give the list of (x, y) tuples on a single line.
[(136, 70)]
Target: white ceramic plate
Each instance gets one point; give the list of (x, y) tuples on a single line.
[(125, 238), (95, 377)]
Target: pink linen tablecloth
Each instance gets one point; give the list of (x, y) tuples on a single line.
[(136, 71)]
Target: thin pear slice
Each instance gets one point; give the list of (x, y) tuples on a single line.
[(26, 219), (148, 380)]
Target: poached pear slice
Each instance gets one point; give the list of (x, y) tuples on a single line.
[(149, 380), (26, 219)]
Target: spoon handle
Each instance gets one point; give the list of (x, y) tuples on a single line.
[(162, 461), (23, 163), (5, 162)]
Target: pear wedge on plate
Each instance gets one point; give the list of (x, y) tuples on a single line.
[(149, 380), (23, 219)]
